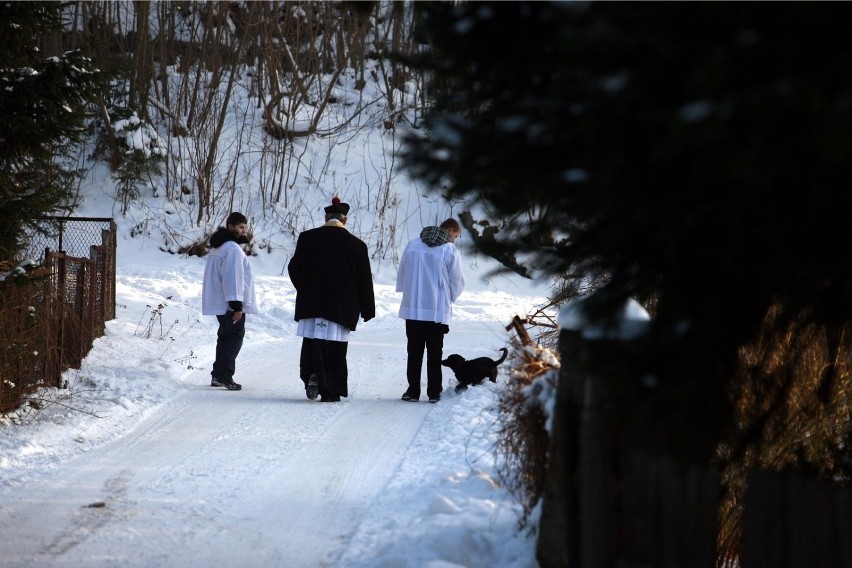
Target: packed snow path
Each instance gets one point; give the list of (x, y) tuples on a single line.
[(260, 477), (154, 468)]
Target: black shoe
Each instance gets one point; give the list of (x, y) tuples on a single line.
[(232, 386), (312, 387), (460, 388), (330, 399), (434, 399), (216, 383), (408, 397)]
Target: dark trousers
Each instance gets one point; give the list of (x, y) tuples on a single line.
[(426, 335), (326, 360), (229, 341)]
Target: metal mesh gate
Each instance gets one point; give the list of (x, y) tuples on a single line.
[(50, 316)]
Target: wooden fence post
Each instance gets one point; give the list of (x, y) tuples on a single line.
[(559, 528), (111, 242), (518, 325), (608, 502)]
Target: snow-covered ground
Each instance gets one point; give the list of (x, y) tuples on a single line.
[(146, 465), (140, 463)]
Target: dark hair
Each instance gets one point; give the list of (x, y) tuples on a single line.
[(451, 224), (235, 218)]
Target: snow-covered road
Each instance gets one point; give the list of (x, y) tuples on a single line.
[(148, 466), (263, 474)]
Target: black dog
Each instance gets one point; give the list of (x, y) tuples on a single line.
[(475, 371)]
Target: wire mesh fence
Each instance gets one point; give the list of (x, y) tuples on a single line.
[(51, 314)]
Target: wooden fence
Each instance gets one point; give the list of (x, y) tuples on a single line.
[(610, 503), (50, 316), (791, 520)]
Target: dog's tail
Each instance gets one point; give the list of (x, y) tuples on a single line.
[(505, 354)]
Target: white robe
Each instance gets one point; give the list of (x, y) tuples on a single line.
[(320, 328), (227, 278), (431, 280)]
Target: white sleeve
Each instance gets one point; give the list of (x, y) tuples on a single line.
[(455, 274), (233, 273), (400, 273)]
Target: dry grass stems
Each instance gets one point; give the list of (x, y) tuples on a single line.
[(525, 410)]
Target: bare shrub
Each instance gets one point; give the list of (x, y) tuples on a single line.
[(73, 395), (524, 420)]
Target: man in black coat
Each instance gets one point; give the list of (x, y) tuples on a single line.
[(334, 286)]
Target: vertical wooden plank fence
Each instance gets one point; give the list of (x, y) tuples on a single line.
[(791, 520), (609, 502)]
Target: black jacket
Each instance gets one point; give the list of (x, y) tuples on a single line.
[(331, 272), (223, 235)]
